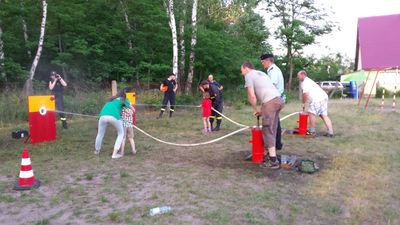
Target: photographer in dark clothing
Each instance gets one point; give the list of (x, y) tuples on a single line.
[(169, 87), (56, 86)]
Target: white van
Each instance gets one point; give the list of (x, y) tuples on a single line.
[(330, 85)]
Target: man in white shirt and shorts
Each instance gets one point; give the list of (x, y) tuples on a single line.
[(317, 101)]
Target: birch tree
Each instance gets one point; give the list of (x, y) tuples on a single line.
[(192, 47), (129, 28), (182, 43), (2, 69), (28, 89), (128, 25), (25, 30), (172, 25), (41, 39)]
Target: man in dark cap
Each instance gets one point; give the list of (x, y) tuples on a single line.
[(56, 86), (268, 62)]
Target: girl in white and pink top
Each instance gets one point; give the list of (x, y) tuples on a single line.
[(128, 119)]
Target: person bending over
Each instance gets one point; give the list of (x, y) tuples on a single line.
[(111, 114), (260, 87)]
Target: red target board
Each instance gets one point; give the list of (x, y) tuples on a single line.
[(42, 118)]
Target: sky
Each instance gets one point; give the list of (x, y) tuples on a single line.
[(345, 14)]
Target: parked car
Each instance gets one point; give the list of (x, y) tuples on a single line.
[(329, 86)]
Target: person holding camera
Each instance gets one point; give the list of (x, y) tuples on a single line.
[(56, 86), (169, 87)]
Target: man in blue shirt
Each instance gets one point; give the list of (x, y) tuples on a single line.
[(273, 71), (212, 81)]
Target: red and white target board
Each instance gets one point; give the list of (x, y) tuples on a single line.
[(42, 118)]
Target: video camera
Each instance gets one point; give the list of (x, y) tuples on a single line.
[(56, 75)]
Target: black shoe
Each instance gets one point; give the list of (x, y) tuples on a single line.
[(274, 165), (64, 124), (328, 135), (215, 129), (279, 147), (313, 133)]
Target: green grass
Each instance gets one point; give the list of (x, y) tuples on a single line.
[(212, 184), (42, 222), (89, 176), (7, 198), (115, 217)]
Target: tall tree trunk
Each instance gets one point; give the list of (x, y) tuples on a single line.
[(25, 30), (192, 47), (172, 25), (60, 49), (28, 84), (128, 25), (41, 39), (291, 68), (2, 69), (130, 44), (182, 46)]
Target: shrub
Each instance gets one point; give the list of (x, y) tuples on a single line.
[(235, 96), (187, 99), (388, 94), (292, 96), (152, 97), (12, 107)]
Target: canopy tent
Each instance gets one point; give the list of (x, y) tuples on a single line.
[(377, 47), (378, 43), (388, 79), (355, 76), (363, 79)]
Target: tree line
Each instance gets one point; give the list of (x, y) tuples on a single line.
[(140, 41)]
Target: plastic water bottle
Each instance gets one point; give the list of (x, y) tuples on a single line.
[(159, 210)]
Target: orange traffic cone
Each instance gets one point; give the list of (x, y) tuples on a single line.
[(26, 179)]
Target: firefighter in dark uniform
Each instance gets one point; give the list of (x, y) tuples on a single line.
[(169, 88), (217, 102), (56, 86)]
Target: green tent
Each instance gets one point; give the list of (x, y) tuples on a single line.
[(356, 76)]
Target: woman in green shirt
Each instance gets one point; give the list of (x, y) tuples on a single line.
[(111, 113)]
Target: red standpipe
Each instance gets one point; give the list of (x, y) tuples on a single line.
[(257, 147), (303, 120)]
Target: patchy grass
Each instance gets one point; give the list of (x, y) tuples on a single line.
[(115, 217), (7, 198), (357, 184)]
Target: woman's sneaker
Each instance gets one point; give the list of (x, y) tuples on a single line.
[(117, 156), (328, 135)]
